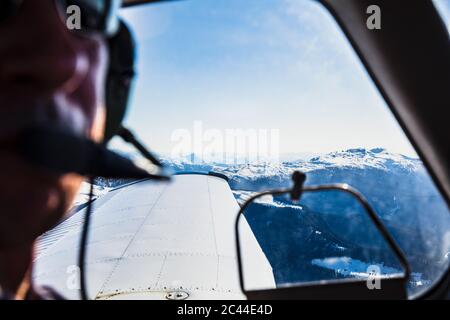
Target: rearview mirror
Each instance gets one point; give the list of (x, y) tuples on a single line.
[(323, 242)]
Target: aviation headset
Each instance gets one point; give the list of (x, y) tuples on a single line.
[(100, 17), (121, 72)]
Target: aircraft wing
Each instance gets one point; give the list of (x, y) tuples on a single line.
[(156, 241)]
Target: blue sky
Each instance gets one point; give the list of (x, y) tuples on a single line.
[(443, 6), (260, 64)]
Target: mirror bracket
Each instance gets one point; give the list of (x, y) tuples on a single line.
[(299, 179)]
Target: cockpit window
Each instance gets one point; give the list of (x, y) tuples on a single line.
[(257, 89)]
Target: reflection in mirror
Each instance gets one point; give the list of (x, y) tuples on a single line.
[(326, 236)]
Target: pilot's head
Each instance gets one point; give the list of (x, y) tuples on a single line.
[(48, 72)]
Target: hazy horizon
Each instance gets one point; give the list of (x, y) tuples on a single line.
[(268, 65)]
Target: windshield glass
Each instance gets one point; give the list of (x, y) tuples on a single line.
[(257, 89)]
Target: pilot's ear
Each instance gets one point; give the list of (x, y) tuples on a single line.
[(119, 79)]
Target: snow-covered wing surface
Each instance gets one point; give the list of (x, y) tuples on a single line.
[(148, 239)]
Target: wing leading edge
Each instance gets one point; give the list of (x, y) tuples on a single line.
[(156, 241)]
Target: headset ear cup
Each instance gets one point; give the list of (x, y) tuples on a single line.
[(119, 79)]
